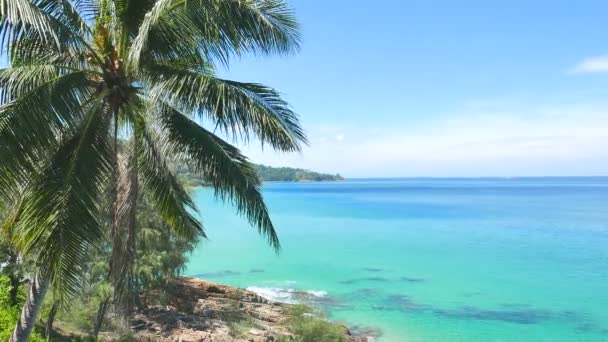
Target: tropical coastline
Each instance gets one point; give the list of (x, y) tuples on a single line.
[(137, 200), (198, 310), (428, 259)]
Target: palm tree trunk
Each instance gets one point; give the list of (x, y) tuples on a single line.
[(123, 231), (49, 322), (101, 312), (30, 310)]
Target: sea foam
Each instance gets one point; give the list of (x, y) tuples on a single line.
[(288, 296)]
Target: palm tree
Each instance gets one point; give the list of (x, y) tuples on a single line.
[(99, 93)]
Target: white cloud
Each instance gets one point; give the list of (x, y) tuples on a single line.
[(340, 137), (592, 65), (541, 141)]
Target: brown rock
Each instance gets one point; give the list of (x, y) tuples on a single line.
[(199, 310), (215, 289)]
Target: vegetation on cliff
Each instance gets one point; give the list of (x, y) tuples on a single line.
[(288, 174), (266, 174)]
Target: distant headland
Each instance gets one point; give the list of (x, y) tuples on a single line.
[(268, 174), (288, 174)]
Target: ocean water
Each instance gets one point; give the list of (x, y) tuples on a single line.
[(522, 259)]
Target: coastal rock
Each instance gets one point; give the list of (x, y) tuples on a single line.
[(198, 310)]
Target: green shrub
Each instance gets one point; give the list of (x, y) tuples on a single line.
[(311, 326), (10, 314)]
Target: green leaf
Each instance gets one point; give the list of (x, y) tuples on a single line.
[(30, 125), (215, 28), (59, 219), (239, 109), (166, 192), (230, 174)]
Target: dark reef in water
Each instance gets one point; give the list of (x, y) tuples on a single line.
[(412, 280), (512, 316), (358, 280), (218, 274), (511, 313), (366, 292), (402, 303), (314, 299), (380, 279), (361, 330)]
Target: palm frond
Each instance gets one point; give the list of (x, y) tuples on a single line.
[(17, 15), (31, 124), (162, 186), (59, 217), (130, 13), (215, 28), (239, 109), (222, 165), (16, 82), (64, 11), (88, 9), (51, 26), (29, 51)]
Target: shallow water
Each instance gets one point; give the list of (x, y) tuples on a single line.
[(428, 259)]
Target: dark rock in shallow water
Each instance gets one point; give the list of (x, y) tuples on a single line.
[(405, 303), (520, 314), (218, 274), (375, 279), (515, 305), (412, 280), (358, 280), (361, 330), (365, 292), (319, 299), (529, 316), (379, 279), (586, 327)]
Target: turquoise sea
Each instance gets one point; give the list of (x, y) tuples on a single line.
[(520, 259)]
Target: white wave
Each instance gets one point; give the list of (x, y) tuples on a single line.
[(319, 294), (289, 296), (274, 294), (292, 296)]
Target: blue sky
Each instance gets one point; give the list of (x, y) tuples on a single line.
[(434, 88)]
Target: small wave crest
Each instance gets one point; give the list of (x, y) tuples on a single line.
[(289, 296), (313, 297)]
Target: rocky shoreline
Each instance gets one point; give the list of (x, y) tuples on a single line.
[(199, 310)]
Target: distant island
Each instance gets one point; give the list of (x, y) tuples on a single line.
[(267, 174), (288, 174)]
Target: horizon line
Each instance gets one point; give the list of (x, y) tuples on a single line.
[(472, 177)]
